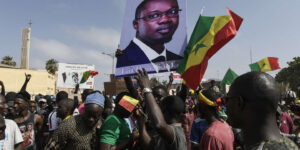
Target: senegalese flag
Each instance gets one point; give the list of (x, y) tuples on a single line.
[(128, 103), (87, 74), (266, 64), (209, 35), (229, 77)]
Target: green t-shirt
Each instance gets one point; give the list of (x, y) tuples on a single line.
[(114, 130)]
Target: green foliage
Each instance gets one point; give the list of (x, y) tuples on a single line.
[(51, 66), (8, 60), (291, 74)]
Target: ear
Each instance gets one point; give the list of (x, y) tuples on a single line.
[(135, 24)]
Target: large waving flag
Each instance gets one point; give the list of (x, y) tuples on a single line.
[(209, 35), (266, 64), (87, 74)]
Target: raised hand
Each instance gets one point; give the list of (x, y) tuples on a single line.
[(27, 77), (143, 79)]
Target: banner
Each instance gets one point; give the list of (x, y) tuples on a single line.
[(153, 36), (68, 75)]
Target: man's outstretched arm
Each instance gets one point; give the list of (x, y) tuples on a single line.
[(2, 88), (154, 111)]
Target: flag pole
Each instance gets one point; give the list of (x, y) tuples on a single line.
[(202, 10), (250, 54)]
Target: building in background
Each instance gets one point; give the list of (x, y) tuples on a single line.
[(41, 81), (25, 48)]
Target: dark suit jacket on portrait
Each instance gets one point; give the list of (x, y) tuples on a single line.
[(134, 55)]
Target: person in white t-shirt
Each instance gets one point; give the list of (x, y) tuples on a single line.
[(10, 135)]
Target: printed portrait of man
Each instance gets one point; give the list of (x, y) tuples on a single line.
[(155, 22)]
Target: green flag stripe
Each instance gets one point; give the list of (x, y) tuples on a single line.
[(201, 29), (255, 67)]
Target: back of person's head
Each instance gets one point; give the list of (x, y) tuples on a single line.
[(49, 100), (258, 89), (69, 104), (61, 95), (212, 96), (159, 92), (173, 105)]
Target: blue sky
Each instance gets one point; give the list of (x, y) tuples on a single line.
[(75, 31)]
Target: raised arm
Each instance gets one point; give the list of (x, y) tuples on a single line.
[(154, 111), (2, 88), (27, 79), (183, 92), (133, 91)]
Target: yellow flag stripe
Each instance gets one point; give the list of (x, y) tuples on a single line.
[(208, 40), (264, 65), (131, 100)]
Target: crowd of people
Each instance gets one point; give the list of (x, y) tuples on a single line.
[(251, 116)]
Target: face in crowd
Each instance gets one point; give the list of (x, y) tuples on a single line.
[(156, 20), (20, 105), (92, 114), (3, 106)]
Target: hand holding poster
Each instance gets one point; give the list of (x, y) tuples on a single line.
[(153, 36)]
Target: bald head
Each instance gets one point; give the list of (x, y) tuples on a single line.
[(65, 108), (257, 87)]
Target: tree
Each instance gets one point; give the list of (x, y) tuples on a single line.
[(8, 60), (290, 75), (51, 66)]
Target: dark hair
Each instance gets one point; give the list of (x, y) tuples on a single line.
[(107, 102), (139, 9), (48, 98), (174, 105), (210, 94), (120, 95), (24, 95), (85, 93), (61, 95), (69, 103), (10, 96)]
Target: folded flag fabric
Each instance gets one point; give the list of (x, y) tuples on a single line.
[(229, 77), (87, 74), (266, 64), (128, 103), (209, 35)]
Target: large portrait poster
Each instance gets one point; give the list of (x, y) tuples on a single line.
[(68, 75), (153, 36)]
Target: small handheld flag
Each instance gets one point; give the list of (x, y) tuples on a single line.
[(128, 103)]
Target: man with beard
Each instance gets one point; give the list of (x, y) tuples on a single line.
[(155, 23)]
